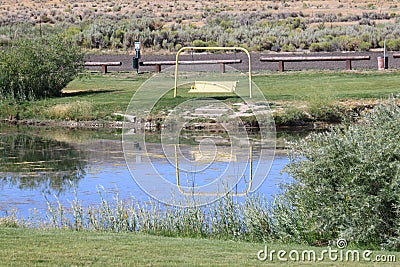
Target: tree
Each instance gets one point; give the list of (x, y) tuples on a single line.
[(38, 68), (347, 182)]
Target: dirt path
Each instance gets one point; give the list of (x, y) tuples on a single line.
[(257, 66)]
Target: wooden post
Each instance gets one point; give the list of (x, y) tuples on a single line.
[(348, 64), (281, 66), (222, 67), (158, 68), (103, 69)]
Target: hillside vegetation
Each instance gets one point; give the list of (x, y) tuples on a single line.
[(348, 25)]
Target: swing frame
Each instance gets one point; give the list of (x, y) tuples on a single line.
[(193, 48)]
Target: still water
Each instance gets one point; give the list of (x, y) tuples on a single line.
[(64, 164)]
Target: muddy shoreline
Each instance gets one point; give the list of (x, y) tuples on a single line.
[(354, 108), (212, 127)]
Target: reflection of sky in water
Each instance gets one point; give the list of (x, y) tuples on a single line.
[(112, 174)]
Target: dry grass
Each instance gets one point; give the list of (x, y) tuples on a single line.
[(79, 110), (189, 11)]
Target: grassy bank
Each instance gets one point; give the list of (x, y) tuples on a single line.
[(28, 247), (95, 97), (294, 86), (65, 248)]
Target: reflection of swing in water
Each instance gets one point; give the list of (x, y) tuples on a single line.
[(222, 84), (192, 193), (207, 156)]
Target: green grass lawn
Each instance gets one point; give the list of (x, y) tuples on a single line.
[(107, 94), (28, 247), (339, 85), (280, 86)]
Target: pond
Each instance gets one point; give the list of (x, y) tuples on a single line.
[(38, 163)]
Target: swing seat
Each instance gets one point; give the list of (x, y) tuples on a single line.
[(209, 157), (213, 87)]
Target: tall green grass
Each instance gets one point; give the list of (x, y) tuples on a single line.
[(227, 218), (252, 220)]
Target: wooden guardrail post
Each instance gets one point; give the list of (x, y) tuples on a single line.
[(222, 67), (348, 64), (281, 66), (221, 62), (103, 65), (158, 68), (281, 60)]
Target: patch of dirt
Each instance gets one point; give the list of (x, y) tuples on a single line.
[(257, 65)]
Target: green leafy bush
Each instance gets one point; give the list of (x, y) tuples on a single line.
[(322, 108), (364, 46), (322, 46), (291, 116), (288, 48), (393, 44), (199, 43), (347, 183), (10, 220), (38, 68)]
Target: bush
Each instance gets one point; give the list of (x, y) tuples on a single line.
[(315, 47), (291, 116), (288, 48), (322, 108), (393, 44), (38, 68), (364, 46), (347, 183), (10, 220), (322, 46), (199, 43)]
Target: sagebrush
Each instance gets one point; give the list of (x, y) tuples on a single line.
[(347, 182)]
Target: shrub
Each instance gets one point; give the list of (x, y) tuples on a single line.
[(291, 116), (288, 48), (393, 44), (322, 46), (315, 47), (347, 182), (177, 47), (9, 220), (322, 108), (38, 68), (267, 31), (199, 43), (364, 46)]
